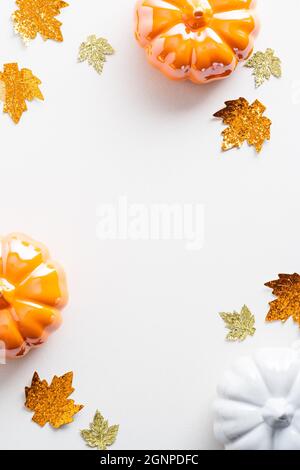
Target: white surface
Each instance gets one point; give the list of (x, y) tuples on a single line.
[(142, 332)]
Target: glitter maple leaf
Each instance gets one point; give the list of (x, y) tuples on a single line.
[(94, 50), (38, 16), (100, 434), (287, 304), (246, 123), (18, 86), (50, 402), (265, 64), (240, 325)]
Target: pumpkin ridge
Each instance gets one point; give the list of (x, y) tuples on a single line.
[(33, 303), (33, 291), (292, 387), (161, 14), (245, 432), (213, 37), (29, 275), (217, 7), (58, 297), (244, 364), (34, 328), (248, 36), (256, 362), (244, 437), (38, 318), (294, 423), (242, 401), (214, 34), (41, 253), (164, 30), (13, 318)]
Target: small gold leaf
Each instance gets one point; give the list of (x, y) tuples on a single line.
[(240, 325), (100, 435), (94, 50), (265, 64)]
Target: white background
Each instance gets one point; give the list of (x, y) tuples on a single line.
[(142, 332)]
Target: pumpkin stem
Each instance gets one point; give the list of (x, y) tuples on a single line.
[(197, 18), (278, 413)]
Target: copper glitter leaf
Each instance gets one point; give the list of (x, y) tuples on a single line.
[(18, 86), (265, 64), (246, 124), (287, 304), (38, 16), (50, 402), (100, 434), (240, 325), (94, 50)]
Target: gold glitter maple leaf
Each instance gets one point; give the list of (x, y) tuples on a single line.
[(265, 64), (287, 304), (240, 325), (100, 434), (17, 86), (51, 403), (94, 50), (38, 16), (246, 123)]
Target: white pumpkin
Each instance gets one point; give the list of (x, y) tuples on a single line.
[(258, 404)]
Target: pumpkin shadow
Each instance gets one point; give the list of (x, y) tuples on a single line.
[(10, 369), (154, 89)]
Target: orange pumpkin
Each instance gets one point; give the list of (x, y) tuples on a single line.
[(200, 40), (32, 293)]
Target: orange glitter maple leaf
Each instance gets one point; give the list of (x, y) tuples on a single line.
[(38, 16), (18, 86), (287, 304), (246, 123), (50, 402)]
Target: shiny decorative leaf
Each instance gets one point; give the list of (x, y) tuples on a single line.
[(38, 16), (100, 434), (240, 325), (265, 64), (287, 304), (17, 86), (94, 51), (51, 403), (246, 123)]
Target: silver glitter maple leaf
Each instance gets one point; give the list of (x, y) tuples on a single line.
[(265, 64), (94, 50)]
